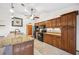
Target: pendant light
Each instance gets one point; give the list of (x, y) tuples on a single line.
[(11, 10)]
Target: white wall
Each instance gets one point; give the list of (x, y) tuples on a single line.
[(77, 41)]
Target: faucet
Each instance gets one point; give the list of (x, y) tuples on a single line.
[(17, 31)]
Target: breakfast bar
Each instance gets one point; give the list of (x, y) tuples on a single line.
[(17, 45)]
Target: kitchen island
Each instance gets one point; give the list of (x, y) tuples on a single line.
[(17, 45)]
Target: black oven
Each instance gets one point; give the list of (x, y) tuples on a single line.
[(42, 30)]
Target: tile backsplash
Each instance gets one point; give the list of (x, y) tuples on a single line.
[(58, 30)]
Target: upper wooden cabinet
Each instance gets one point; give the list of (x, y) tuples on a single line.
[(53, 23), (41, 23), (69, 19), (36, 24), (49, 23), (58, 22), (63, 21)]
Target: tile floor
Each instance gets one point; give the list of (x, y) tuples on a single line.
[(41, 48)]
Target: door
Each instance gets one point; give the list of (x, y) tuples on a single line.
[(29, 28)]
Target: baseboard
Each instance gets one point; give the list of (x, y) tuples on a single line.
[(77, 50)]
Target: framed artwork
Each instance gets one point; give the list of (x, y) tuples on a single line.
[(18, 22)]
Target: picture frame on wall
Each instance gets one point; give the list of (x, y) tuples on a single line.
[(17, 22)]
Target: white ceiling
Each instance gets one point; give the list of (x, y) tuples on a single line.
[(40, 7)]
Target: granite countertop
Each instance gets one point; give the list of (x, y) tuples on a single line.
[(54, 33), (12, 39)]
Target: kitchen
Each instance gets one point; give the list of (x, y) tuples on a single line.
[(46, 32)]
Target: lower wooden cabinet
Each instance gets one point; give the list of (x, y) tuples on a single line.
[(53, 40), (25, 48), (47, 38)]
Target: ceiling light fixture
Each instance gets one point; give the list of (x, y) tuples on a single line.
[(32, 12), (25, 8), (11, 10)]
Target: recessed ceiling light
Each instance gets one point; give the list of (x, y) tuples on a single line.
[(11, 10), (26, 10)]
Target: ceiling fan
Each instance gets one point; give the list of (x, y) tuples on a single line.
[(31, 12)]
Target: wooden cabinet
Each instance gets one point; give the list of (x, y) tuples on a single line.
[(47, 39), (58, 41), (36, 24), (64, 40), (69, 32), (49, 24), (58, 22), (71, 40), (67, 41), (53, 40), (41, 23), (53, 23), (25, 48), (63, 21), (71, 19)]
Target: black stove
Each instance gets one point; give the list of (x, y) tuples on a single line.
[(41, 30)]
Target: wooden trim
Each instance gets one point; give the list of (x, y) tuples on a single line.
[(76, 12)]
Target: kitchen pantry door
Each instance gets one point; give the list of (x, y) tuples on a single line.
[(29, 29)]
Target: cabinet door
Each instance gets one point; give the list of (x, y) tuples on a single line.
[(48, 24), (64, 20), (53, 23), (36, 24), (58, 23), (64, 41), (48, 39), (71, 20), (39, 23), (53, 40), (58, 41), (71, 40), (16, 49)]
